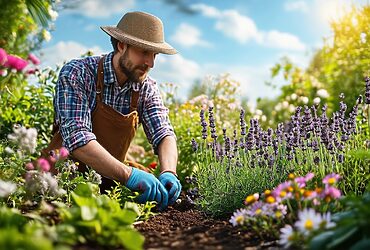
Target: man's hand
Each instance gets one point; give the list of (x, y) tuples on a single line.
[(172, 184), (151, 188)]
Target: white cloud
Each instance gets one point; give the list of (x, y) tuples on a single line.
[(65, 51), (184, 72), (296, 6), (243, 29), (100, 8), (282, 40), (188, 36), (230, 22), (178, 70)]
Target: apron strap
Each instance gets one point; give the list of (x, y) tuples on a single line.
[(100, 81), (134, 100)]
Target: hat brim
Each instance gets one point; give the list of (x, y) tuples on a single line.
[(163, 47)]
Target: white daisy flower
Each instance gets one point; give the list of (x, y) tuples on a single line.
[(238, 217), (326, 221), (308, 221), (286, 236)]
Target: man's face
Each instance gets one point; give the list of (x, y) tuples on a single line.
[(135, 63)]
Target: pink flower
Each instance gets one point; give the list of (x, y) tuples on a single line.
[(330, 179), (33, 59), (301, 181), (29, 166), (3, 57), (330, 193), (43, 164), (63, 153), (16, 62)]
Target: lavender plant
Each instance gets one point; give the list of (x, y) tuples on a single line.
[(253, 159)]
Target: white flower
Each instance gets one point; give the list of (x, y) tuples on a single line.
[(238, 217), (326, 223), (293, 96), (291, 108), (286, 236), (285, 104), (322, 93), (278, 107), (308, 221), (304, 99), (6, 188), (46, 35), (263, 118), (259, 112), (317, 100), (52, 13)]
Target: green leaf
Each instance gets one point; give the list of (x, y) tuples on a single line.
[(364, 244), (340, 238), (88, 212), (131, 239), (320, 241)]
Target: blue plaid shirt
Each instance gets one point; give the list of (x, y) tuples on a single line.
[(75, 100)]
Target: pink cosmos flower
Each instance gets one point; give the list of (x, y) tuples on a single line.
[(43, 164), (3, 57), (33, 59), (330, 179), (330, 193), (301, 181), (30, 166), (16, 62), (63, 153)]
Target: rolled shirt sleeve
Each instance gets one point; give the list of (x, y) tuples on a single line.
[(154, 116), (71, 104)]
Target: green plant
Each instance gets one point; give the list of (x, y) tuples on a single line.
[(352, 229), (97, 219)]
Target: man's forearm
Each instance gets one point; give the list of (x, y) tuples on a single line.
[(98, 158), (167, 154)]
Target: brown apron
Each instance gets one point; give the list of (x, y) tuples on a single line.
[(113, 130)]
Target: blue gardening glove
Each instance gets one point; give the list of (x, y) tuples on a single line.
[(149, 186), (172, 184)]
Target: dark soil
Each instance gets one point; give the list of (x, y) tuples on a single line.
[(185, 227)]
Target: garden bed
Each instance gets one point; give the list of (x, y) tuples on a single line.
[(184, 227)]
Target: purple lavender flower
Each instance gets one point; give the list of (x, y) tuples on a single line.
[(367, 90)]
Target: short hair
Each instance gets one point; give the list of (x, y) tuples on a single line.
[(114, 42)]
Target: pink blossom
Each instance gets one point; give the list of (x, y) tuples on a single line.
[(3, 56), (43, 164), (33, 59), (29, 166), (63, 153), (330, 179), (301, 181), (16, 62), (330, 193)]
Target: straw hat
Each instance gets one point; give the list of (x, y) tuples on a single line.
[(142, 30)]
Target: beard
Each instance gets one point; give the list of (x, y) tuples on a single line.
[(135, 73)]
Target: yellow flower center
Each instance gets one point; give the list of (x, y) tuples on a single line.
[(282, 194), (239, 219), (258, 211), (308, 225), (270, 199), (291, 176), (331, 181), (250, 199), (278, 214)]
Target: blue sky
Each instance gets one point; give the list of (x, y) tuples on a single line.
[(244, 38)]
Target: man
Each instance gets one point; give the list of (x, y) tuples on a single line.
[(100, 100)]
